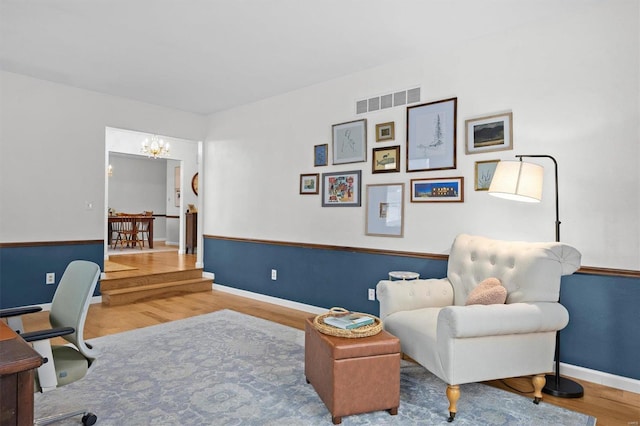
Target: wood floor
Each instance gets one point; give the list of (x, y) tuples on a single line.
[(610, 406)]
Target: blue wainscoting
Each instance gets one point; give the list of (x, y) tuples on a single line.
[(23, 270), (603, 333)]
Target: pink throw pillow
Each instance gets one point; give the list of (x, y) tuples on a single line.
[(487, 292)]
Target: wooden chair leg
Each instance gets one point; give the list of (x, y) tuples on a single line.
[(453, 394), (538, 381)]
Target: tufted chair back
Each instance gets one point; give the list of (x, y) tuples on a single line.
[(530, 272)]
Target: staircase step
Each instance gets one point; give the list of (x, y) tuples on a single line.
[(123, 296), (144, 280)]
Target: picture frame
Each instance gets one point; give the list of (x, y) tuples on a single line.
[(349, 142), (437, 190), (385, 132), (385, 210), (488, 134), (309, 183), (385, 160), (431, 135), (484, 171), (320, 155), (342, 189)]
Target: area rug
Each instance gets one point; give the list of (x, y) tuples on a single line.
[(227, 368), (110, 266)]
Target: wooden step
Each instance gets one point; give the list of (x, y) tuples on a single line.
[(149, 279), (156, 290)]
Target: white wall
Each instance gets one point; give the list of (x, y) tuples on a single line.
[(139, 184), (573, 87), (53, 158)]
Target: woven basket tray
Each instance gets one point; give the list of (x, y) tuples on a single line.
[(364, 331)]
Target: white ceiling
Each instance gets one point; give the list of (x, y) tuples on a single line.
[(205, 56)]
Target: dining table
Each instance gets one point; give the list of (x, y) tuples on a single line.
[(137, 219)]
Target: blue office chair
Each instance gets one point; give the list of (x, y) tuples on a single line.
[(63, 364)]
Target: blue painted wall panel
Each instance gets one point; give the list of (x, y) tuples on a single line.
[(318, 277), (604, 323), (603, 332), (23, 270)]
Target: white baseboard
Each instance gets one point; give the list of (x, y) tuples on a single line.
[(601, 378), (270, 299), (581, 373)]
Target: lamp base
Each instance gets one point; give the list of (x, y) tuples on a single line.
[(564, 388)]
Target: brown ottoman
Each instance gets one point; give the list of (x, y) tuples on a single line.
[(353, 376)]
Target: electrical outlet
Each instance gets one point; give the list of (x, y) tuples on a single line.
[(51, 278), (274, 274), (372, 294)]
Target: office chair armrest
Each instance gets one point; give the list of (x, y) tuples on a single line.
[(14, 312), (34, 336)]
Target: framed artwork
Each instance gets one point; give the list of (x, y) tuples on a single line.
[(320, 155), (490, 133), (341, 189), (448, 190), (309, 183), (350, 142), (385, 210), (385, 132), (386, 160), (484, 173), (431, 136)]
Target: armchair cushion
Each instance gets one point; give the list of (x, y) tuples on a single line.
[(488, 292)]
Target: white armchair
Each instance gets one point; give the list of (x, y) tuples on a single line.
[(464, 344)]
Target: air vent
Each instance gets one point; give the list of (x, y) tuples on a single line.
[(376, 103)]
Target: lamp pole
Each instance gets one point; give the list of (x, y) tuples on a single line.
[(556, 385)]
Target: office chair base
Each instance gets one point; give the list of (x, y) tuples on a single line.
[(88, 418)]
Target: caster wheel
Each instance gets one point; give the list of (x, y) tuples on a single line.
[(89, 419), (536, 400)]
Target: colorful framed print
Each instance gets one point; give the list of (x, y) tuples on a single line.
[(309, 183), (438, 190), (488, 134), (320, 155), (385, 210), (431, 136), (350, 142), (385, 132), (341, 189), (484, 171), (386, 160)]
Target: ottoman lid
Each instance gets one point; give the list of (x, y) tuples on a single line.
[(342, 347)]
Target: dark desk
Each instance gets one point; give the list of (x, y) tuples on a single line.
[(137, 219), (17, 363)]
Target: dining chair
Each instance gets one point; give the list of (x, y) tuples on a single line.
[(143, 228), (126, 232)]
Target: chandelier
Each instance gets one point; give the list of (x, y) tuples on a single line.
[(155, 147)]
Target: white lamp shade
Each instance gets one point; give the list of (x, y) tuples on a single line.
[(517, 180)]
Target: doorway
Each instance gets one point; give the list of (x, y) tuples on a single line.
[(162, 185)]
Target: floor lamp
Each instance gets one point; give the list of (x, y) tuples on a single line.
[(522, 181)]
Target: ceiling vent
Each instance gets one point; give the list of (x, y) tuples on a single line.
[(377, 103)]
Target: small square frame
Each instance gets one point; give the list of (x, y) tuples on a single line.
[(309, 183), (488, 134), (320, 155), (385, 210), (342, 189), (437, 190), (385, 160), (385, 131), (349, 142), (484, 171)]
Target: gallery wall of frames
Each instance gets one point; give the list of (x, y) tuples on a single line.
[(430, 147)]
